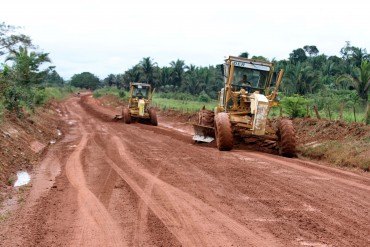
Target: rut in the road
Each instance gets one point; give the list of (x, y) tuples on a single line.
[(192, 221), (98, 226)]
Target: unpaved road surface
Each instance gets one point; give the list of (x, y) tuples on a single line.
[(111, 184)]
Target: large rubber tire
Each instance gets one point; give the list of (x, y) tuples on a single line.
[(126, 115), (153, 117), (286, 138), (224, 133)]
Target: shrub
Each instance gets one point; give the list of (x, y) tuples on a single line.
[(13, 97), (294, 106), (121, 94), (39, 97), (203, 97), (97, 94)]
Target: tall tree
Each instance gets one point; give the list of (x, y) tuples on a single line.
[(311, 50), (360, 80), (53, 78), (244, 54), (26, 66), (297, 55), (85, 80), (110, 80), (178, 69), (149, 69), (10, 40)]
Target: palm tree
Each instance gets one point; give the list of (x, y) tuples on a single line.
[(178, 69), (25, 69), (132, 75), (358, 55), (360, 80), (165, 76), (301, 78), (148, 69)]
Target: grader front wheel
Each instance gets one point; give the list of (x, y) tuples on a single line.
[(153, 116), (224, 134), (286, 138), (126, 115)]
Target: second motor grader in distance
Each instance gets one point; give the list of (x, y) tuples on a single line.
[(250, 90), (139, 104)]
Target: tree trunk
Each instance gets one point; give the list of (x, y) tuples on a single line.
[(367, 115), (341, 111), (354, 113), (316, 112)]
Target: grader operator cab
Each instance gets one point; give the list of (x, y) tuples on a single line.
[(250, 90), (139, 104)]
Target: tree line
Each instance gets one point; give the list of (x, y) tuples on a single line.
[(306, 72)]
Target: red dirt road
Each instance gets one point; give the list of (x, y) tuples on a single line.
[(139, 185)]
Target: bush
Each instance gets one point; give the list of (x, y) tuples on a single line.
[(177, 96), (109, 90), (13, 97), (203, 97), (294, 106), (39, 97), (121, 94)]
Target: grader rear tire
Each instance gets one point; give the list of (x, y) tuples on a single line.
[(153, 117), (224, 133), (126, 115), (286, 138)]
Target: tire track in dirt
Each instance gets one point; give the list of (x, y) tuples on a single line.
[(143, 209), (193, 222), (98, 226), (289, 163)]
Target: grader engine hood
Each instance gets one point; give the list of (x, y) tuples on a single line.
[(259, 107)]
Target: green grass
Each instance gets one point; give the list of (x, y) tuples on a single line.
[(110, 90), (190, 106), (58, 93), (348, 115), (349, 152)]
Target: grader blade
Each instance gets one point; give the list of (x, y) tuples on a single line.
[(203, 133)]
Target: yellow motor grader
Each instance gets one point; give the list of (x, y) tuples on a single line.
[(250, 90), (139, 104)]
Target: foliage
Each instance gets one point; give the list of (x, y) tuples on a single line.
[(190, 106), (10, 40), (360, 79), (244, 54), (203, 97), (85, 80), (294, 106), (22, 80), (53, 79), (14, 98), (26, 64), (297, 56), (109, 91)]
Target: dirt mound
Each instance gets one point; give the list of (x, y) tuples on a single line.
[(340, 143), (309, 130), (96, 107), (23, 140)]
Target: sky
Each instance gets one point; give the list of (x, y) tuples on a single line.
[(109, 36)]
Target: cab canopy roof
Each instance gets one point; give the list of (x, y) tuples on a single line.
[(140, 84), (249, 63)]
